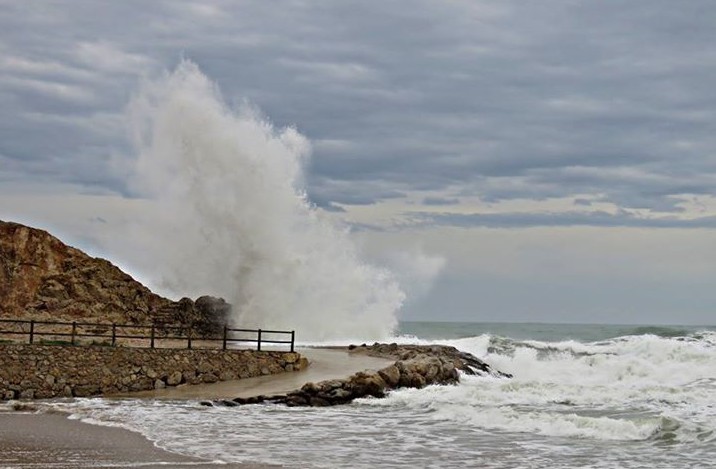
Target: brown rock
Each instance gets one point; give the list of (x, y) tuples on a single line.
[(310, 388), (367, 384), (174, 378), (296, 400), (301, 364), (290, 357), (41, 277), (86, 390), (391, 375), (209, 378), (316, 401)]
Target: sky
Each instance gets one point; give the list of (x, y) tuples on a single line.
[(513, 161)]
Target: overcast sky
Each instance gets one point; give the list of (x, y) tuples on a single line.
[(556, 159)]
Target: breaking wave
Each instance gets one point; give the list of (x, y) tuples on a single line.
[(230, 217)]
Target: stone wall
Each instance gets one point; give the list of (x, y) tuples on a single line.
[(45, 371)]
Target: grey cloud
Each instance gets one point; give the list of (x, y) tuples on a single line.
[(440, 201), (503, 100), (339, 192), (558, 219)]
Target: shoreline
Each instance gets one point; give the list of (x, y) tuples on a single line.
[(32, 440), (52, 439)]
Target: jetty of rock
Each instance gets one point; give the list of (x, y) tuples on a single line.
[(416, 366)]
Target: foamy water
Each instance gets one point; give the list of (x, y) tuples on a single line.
[(632, 401)]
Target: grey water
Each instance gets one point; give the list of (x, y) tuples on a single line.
[(592, 396), (541, 331)]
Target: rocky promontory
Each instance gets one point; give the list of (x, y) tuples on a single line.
[(42, 278), (416, 366), (45, 282)]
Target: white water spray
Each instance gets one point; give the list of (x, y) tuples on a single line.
[(231, 218)]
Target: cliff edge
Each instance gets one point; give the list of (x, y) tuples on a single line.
[(42, 278)]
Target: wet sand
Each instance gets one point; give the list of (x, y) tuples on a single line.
[(54, 441), (29, 440)]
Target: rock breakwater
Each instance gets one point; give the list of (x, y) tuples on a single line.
[(416, 366)]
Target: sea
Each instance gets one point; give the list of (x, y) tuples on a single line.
[(581, 396)]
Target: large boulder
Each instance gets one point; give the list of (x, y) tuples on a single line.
[(364, 384), (204, 317)]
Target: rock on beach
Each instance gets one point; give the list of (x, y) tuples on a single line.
[(416, 366)]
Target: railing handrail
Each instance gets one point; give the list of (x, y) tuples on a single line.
[(155, 335)]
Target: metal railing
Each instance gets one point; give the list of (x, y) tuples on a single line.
[(127, 335)]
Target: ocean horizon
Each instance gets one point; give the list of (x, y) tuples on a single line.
[(544, 330)]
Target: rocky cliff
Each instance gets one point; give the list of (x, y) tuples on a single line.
[(42, 278)]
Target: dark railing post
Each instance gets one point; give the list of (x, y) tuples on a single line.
[(293, 338), (188, 340), (151, 344), (226, 331), (258, 342), (74, 331), (114, 334), (32, 331)]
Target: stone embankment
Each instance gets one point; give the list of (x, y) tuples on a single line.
[(415, 367), (45, 371)]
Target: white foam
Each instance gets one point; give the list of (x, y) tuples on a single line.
[(564, 397), (229, 216), (574, 389)]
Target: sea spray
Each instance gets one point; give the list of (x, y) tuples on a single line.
[(229, 217), (634, 387)]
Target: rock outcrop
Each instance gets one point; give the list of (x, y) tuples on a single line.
[(42, 278), (463, 361), (416, 367), (206, 316)]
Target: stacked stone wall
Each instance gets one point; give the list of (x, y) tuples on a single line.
[(46, 371)]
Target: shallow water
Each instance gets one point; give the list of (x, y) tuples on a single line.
[(632, 401)]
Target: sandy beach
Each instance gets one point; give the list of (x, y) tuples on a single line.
[(42, 440), (53, 441)]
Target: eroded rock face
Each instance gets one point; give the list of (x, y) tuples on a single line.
[(42, 278), (417, 366)]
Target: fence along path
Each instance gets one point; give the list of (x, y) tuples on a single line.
[(130, 335)]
